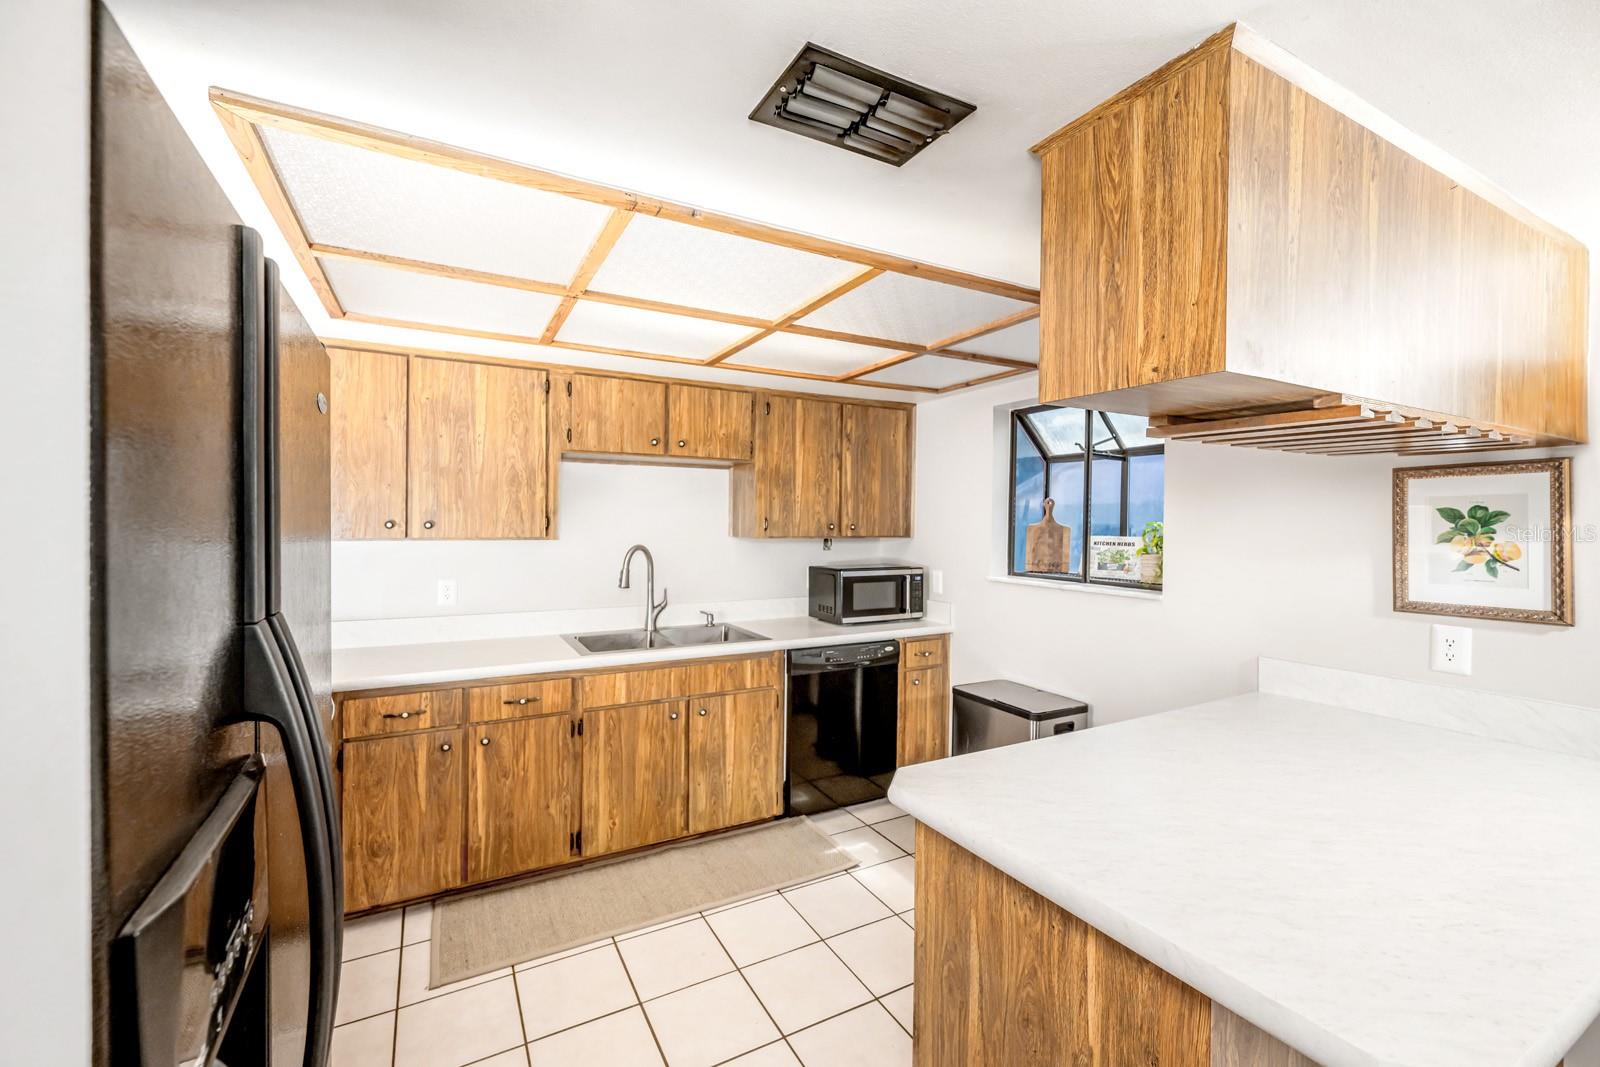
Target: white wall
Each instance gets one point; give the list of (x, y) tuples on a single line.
[(679, 513), (44, 478), (1267, 554)]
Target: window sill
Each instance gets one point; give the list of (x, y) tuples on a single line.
[(1078, 587)]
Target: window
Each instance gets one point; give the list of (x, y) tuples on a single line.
[(1103, 478)]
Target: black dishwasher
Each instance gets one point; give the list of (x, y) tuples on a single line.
[(843, 720)]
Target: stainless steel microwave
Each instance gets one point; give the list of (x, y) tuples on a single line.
[(873, 590)]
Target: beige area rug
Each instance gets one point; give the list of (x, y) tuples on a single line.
[(483, 932)]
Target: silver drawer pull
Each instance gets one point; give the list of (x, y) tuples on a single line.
[(521, 700), (404, 714), (924, 653)]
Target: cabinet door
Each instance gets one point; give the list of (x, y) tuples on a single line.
[(404, 799), (796, 470), (924, 715), (707, 423), (875, 499), (735, 759), (522, 796), (367, 410), (635, 790), (616, 416), (477, 450)]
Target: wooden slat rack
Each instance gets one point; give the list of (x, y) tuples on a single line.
[(1337, 425)]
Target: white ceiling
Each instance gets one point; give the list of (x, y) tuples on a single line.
[(654, 96)]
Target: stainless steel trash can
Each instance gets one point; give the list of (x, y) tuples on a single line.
[(995, 713)]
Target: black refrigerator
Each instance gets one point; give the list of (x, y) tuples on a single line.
[(217, 880)]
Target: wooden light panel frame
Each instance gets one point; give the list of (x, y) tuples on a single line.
[(243, 117)]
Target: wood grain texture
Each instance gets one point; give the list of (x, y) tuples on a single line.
[(635, 776), (709, 423), (1218, 237), (1007, 977), (517, 700), (588, 267), (669, 683), (477, 451), (394, 713), (924, 726), (1237, 1043), (916, 653), (616, 415), (735, 759), (522, 796), (404, 817), (875, 477), (367, 410), (793, 487)]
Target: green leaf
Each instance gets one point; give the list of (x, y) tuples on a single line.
[(1492, 567), (1463, 566), (1452, 515), (1469, 527), (1494, 518), (1446, 537), (1487, 530), (1477, 511)]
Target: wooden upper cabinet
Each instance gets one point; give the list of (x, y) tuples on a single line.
[(1233, 232), (522, 796), (792, 487), (708, 423), (635, 784), (367, 408), (478, 440), (735, 759), (404, 799), (875, 489), (616, 416)]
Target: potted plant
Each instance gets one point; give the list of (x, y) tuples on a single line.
[(1151, 542)]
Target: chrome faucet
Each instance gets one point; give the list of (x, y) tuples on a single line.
[(652, 610)]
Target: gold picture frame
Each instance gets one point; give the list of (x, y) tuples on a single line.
[(1452, 557)]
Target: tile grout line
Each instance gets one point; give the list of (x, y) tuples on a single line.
[(638, 1001), (759, 1002)]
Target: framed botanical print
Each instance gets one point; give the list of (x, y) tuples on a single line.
[(1485, 540)]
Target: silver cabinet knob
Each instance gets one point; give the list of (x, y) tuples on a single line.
[(428, 525), (916, 681), (655, 440), (388, 524), (674, 715), (702, 711), (682, 443), (830, 525), (483, 741), (852, 526), (445, 747)]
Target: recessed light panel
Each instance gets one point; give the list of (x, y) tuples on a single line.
[(831, 98)]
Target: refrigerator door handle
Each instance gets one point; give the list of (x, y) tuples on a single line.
[(271, 696), (290, 653)]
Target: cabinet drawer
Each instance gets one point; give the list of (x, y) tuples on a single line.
[(690, 679), (367, 716), (548, 696), (923, 652)]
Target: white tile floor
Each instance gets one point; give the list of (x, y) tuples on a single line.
[(815, 976)]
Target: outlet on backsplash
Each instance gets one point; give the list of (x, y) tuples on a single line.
[(447, 592), (1450, 649)]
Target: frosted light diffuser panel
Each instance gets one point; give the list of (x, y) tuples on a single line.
[(371, 289), (688, 265), (813, 355), (612, 326), (903, 308), (933, 371), (375, 202), (1014, 342)]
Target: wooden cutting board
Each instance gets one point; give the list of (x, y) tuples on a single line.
[(1047, 544)]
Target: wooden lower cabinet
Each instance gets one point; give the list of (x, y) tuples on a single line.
[(522, 793), (635, 776), (735, 759), (404, 815), (924, 701)]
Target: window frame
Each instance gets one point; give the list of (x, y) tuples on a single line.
[(1018, 419)]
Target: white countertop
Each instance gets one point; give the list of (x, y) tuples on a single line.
[(1368, 890), (440, 662)]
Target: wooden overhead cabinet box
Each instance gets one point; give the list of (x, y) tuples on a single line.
[(1235, 236)]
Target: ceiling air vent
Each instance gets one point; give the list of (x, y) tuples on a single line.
[(827, 97)]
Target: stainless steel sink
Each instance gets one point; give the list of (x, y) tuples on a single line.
[(716, 634), (666, 637)]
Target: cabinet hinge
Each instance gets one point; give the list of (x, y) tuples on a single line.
[(577, 841), (547, 522), (547, 387), (569, 386), (768, 411), (764, 522), (569, 435), (752, 448)]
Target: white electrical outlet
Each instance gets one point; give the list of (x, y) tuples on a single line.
[(935, 583), (447, 592), (1450, 649)]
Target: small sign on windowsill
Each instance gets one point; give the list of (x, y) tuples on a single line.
[(1114, 559)]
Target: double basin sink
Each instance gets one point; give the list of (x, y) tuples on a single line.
[(664, 637)]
